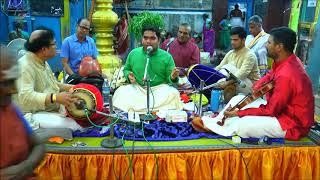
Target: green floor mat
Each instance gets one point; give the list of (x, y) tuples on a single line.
[(92, 145)]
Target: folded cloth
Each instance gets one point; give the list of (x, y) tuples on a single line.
[(47, 133)]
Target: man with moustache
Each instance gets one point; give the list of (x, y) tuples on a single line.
[(75, 47), (184, 52), (162, 73)]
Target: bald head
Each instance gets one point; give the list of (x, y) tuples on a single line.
[(40, 38), (35, 35)]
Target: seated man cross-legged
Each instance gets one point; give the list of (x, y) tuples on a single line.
[(241, 62), (161, 70), (40, 95)]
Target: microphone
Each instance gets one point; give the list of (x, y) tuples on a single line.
[(232, 76), (149, 49)]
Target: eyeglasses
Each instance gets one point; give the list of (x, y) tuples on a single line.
[(53, 44), (84, 28)]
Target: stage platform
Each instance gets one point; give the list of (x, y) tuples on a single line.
[(189, 159)]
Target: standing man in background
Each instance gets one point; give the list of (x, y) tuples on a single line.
[(184, 52), (257, 40), (75, 47)]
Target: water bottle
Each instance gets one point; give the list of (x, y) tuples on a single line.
[(215, 100), (105, 91)]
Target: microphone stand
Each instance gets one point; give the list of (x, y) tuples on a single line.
[(146, 78), (111, 141), (199, 111)]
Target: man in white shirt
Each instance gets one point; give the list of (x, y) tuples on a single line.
[(256, 41)]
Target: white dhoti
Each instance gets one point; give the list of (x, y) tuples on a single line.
[(244, 88), (247, 126), (134, 97), (51, 120)]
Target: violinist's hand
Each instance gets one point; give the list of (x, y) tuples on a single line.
[(230, 113), (131, 77), (175, 73)]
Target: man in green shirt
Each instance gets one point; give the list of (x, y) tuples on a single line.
[(162, 73)]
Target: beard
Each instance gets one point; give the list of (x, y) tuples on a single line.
[(270, 55)]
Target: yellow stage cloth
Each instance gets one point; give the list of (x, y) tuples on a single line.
[(270, 163)]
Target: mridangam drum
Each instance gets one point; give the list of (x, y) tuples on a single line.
[(91, 97), (199, 72)]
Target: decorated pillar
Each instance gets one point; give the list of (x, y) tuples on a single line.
[(104, 19)]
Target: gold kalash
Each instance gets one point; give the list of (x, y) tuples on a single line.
[(104, 20)]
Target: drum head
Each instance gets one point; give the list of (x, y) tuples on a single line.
[(88, 98), (92, 99)]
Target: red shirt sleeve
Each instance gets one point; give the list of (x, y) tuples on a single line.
[(277, 102), (265, 79)]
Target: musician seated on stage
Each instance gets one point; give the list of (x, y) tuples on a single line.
[(162, 73), (240, 61), (184, 52), (40, 96), (288, 111)]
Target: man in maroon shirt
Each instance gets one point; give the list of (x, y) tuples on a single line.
[(184, 52), (289, 107)]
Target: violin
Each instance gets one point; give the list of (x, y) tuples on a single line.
[(250, 98)]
